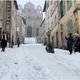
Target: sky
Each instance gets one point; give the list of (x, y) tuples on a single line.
[(35, 2)]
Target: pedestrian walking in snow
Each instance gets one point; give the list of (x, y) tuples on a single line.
[(18, 42), (12, 43), (70, 41), (45, 41), (49, 47), (3, 41)]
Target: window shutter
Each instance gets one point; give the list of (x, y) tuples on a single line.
[(70, 27)]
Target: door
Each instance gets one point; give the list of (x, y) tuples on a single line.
[(57, 39)]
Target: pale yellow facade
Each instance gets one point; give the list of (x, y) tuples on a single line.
[(69, 15), (8, 10), (21, 24), (60, 25)]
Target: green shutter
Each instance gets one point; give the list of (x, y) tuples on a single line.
[(69, 4), (62, 7), (70, 27)]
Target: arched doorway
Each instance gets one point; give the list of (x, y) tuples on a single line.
[(29, 31)]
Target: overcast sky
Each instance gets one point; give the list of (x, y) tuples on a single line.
[(35, 2)]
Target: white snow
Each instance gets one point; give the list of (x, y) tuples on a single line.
[(32, 62), (30, 40)]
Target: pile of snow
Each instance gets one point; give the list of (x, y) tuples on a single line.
[(30, 40)]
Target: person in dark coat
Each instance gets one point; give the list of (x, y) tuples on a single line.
[(50, 47), (12, 43), (70, 41), (3, 41), (18, 42), (76, 36), (77, 44), (45, 41)]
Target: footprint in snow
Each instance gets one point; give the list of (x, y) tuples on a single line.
[(36, 67)]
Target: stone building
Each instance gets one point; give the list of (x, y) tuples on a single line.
[(13, 20), (21, 23), (1, 16), (8, 10), (42, 32), (62, 18), (34, 17)]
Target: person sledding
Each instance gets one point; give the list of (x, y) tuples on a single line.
[(50, 48)]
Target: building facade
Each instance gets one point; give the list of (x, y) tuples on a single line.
[(8, 10), (62, 18), (2, 7), (21, 24), (34, 17), (14, 10), (42, 32)]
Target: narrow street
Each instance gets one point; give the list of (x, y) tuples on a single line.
[(32, 62), (26, 26)]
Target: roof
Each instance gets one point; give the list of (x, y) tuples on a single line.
[(44, 7), (16, 5)]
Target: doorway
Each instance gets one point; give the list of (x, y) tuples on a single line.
[(57, 40), (29, 31), (53, 40)]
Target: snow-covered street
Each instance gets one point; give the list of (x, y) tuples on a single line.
[(32, 62)]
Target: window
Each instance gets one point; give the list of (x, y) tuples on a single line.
[(69, 4), (70, 27), (55, 19), (47, 4), (51, 11), (9, 10), (62, 8), (62, 34), (0, 11)]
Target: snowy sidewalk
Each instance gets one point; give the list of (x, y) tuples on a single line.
[(32, 62)]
